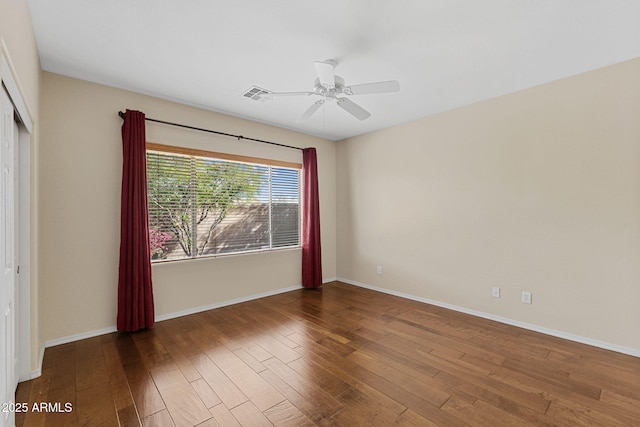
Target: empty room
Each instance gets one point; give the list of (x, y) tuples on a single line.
[(339, 213)]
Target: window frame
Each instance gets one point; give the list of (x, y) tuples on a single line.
[(170, 149)]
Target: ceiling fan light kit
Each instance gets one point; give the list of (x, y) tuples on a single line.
[(330, 86)]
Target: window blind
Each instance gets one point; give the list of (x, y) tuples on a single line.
[(203, 206)]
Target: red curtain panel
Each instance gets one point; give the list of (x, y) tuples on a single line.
[(135, 293), (311, 251)]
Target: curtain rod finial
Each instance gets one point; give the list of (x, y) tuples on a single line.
[(121, 114)]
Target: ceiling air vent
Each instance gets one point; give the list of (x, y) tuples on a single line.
[(256, 93)]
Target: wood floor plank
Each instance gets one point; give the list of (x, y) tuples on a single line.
[(416, 384), (91, 369), (257, 390), (208, 336), (63, 372), (304, 402), (256, 351), (540, 369), (567, 413), (284, 340), (421, 337), (620, 402), (552, 391), (159, 419), (22, 397), (453, 368), (251, 361), (345, 370), (273, 346), (497, 393), (359, 377), (223, 416), (510, 347), (336, 346), (128, 417), (225, 323), (304, 386), (89, 410), (481, 414), (182, 401), (206, 393), (360, 408), (284, 414), (410, 419), (145, 394), (248, 414), (320, 376), (123, 400), (211, 422), (39, 393), (179, 347), (595, 371), (391, 389), (61, 396), (339, 355), (628, 386), (224, 388), (257, 315), (406, 358), (152, 350)]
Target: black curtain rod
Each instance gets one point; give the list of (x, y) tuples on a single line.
[(239, 137)]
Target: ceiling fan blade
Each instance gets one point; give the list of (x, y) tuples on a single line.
[(307, 114), (377, 87), (325, 71), (272, 95), (352, 108)]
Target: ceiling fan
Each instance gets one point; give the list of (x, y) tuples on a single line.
[(332, 87)]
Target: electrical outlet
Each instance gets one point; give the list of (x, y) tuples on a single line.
[(495, 292), (526, 297), (379, 271)]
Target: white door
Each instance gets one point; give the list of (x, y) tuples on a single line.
[(8, 366)]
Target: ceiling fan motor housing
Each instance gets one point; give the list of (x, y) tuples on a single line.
[(329, 91)]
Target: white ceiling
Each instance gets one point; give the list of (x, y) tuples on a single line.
[(444, 53)]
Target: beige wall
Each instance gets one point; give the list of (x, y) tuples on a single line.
[(538, 190), (80, 207), (18, 43)]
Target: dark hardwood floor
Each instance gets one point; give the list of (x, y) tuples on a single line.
[(341, 355)]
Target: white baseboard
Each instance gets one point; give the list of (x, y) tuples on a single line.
[(80, 336), (571, 337), (234, 301), (35, 373), (38, 371), (225, 303), (97, 332), (159, 318), (536, 328)]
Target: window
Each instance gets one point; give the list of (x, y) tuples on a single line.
[(206, 204)]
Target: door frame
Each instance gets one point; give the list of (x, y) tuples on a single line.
[(9, 79)]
